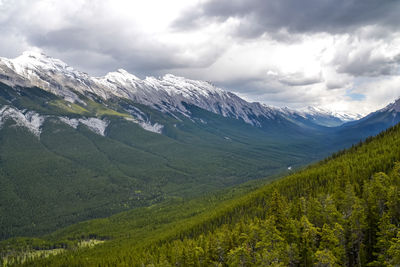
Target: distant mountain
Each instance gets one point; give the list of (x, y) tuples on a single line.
[(64, 162), (342, 211), (328, 118), (75, 147), (382, 118), (167, 94), (370, 125)]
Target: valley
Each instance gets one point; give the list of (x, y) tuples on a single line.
[(133, 163), (342, 210)]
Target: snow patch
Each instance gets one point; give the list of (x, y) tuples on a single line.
[(96, 125), (155, 128), (395, 106), (30, 120), (148, 126), (71, 122), (321, 112), (140, 118)]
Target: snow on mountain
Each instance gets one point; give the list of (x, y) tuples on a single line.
[(71, 122), (34, 121), (143, 121), (36, 69), (28, 119), (347, 116), (148, 126), (392, 107), (94, 124), (155, 128), (317, 111), (167, 94)]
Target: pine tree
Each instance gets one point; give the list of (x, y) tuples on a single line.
[(386, 234), (309, 235), (325, 258), (357, 227), (239, 256), (272, 249)]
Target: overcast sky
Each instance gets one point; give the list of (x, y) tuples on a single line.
[(338, 54)]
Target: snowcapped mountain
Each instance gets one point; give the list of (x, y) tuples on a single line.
[(388, 115), (325, 117), (392, 107), (317, 111), (371, 124), (108, 138), (169, 94)]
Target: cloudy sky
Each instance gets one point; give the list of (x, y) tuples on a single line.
[(338, 54)]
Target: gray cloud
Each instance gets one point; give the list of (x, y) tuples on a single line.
[(135, 53), (274, 92), (335, 84), (299, 80), (308, 16), (91, 35), (315, 48), (368, 57), (367, 65)]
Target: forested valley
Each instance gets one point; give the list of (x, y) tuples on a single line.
[(342, 211)]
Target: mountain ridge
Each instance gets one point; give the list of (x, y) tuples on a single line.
[(164, 93), (145, 148), (340, 211)]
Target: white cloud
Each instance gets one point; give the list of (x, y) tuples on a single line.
[(368, 57), (330, 65)]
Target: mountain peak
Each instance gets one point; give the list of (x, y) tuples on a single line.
[(166, 93), (170, 76), (122, 71), (34, 59), (33, 54), (395, 106), (121, 76)]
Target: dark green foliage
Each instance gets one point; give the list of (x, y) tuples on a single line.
[(69, 175), (342, 211)]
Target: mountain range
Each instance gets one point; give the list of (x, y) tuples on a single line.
[(75, 147), (166, 94)]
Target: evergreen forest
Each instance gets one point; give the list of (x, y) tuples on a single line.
[(341, 211)]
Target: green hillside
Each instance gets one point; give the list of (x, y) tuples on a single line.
[(343, 210), (70, 175)]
